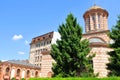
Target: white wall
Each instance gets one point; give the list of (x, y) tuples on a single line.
[(12, 73), (56, 36), (23, 74)]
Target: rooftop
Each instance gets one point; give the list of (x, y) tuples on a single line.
[(19, 62), (95, 7)]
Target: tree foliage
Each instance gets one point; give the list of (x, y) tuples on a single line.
[(71, 52), (114, 65)]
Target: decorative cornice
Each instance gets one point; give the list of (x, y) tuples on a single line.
[(91, 33), (98, 44), (20, 65), (42, 37), (95, 9)]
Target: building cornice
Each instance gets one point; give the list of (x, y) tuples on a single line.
[(98, 44), (42, 37), (98, 32), (20, 65)]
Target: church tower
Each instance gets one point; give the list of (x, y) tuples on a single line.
[(96, 29), (96, 19)]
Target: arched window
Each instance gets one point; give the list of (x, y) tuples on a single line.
[(36, 74), (0, 70), (28, 73), (49, 74), (7, 70), (18, 72), (99, 21), (88, 23), (91, 40)]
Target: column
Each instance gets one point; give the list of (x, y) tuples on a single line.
[(106, 23), (23, 74), (96, 21), (12, 73), (101, 21), (91, 23)]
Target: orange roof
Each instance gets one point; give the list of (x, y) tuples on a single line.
[(95, 7)]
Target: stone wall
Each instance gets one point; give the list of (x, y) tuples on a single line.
[(100, 60)]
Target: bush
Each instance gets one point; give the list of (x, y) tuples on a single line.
[(13, 79), (108, 78), (22, 79)]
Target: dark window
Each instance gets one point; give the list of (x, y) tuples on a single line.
[(40, 65), (43, 37), (7, 70), (89, 24), (98, 18), (99, 26), (0, 70), (28, 73), (50, 41), (18, 72), (91, 62), (36, 74), (40, 58)]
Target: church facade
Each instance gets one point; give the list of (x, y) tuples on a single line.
[(96, 30)]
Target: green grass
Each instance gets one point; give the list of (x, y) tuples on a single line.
[(109, 78)]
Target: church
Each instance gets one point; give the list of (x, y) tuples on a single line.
[(40, 60), (96, 29)]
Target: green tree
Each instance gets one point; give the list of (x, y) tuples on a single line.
[(71, 52), (114, 65)]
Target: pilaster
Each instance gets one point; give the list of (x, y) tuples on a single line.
[(91, 23), (96, 21)]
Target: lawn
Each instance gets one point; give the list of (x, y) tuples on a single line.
[(109, 78)]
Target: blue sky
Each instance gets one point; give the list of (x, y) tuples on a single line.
[(22, 20)]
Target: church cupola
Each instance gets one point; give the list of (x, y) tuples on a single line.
[(96, 19)]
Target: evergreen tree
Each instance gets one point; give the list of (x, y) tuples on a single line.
[(71, 52), (114, 65)]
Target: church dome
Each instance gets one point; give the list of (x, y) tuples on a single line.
[(96, 19), (95, 7)]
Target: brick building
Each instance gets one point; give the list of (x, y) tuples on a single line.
[(40, 61), (18, 69)]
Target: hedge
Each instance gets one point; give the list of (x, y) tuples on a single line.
[(108, 78)]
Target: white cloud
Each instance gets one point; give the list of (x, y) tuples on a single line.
[(20, 52), (26, 42), (17, 37), (3, 60)]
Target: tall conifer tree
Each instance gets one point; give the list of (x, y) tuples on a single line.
[(71, 52), (114, 65)]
